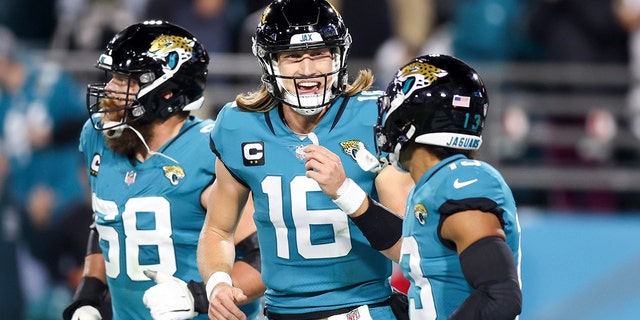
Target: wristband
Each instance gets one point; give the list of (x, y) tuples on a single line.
[(350, 196), (215, 279)]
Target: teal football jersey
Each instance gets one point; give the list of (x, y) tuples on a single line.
[(430, 263), (313, 257), (148, 214)]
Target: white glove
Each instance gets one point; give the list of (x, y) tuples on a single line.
[(169, 299), (86, 313)]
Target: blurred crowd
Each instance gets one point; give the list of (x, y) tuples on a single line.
[(45, 206)]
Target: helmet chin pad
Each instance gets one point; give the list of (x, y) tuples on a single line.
[(308, 111), (309, 104), (115, 131)]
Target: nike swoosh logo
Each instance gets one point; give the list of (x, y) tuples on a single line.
[(457, 184)]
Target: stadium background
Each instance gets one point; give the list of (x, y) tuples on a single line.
[(561, 132)]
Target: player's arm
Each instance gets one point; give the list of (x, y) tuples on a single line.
[(381, 222), (216, 246), (380, 225), (92, 288), (246, 270), (487, 264), (393, 189)]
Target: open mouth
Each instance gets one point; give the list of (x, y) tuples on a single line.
[(308, 87)]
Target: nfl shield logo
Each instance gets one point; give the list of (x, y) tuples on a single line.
[(353, 315), (130, 178)]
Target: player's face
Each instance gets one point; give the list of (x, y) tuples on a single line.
[(306, 63), (120, 92)]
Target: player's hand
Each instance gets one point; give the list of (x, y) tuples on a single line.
[(169, 299), (324, 167), (224, 303), (86, 313)]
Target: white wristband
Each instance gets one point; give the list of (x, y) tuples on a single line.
[(350, 196), (215, 279)]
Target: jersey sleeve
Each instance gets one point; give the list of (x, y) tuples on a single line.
[(88, 137), (472, 186), (218, 132)]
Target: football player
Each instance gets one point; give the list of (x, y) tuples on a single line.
[(289, 144), (150, 170), (460, 235)]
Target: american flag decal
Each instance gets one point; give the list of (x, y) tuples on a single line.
[(461, 101)]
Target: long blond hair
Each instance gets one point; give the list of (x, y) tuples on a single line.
[(262, 101)]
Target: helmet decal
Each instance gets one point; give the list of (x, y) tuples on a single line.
[(306, 37), (265, 13), (416, 76), (461, 101), (171, 48), (105, 60)]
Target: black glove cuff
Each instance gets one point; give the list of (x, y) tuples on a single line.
[(200, 299), (90, 292)]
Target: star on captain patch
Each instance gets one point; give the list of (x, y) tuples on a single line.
[(420, 211), (173, 173)]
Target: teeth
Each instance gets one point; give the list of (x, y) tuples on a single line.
[(307, 84)]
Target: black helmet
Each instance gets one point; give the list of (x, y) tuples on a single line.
[(292, 25), (434, 99), (162, 57)]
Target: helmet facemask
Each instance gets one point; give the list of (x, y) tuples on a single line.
[(392, 142), (112, 110), (333, 82)]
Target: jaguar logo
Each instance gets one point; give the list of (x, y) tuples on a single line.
[(418, 75), (173, 173), (173, 49)]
